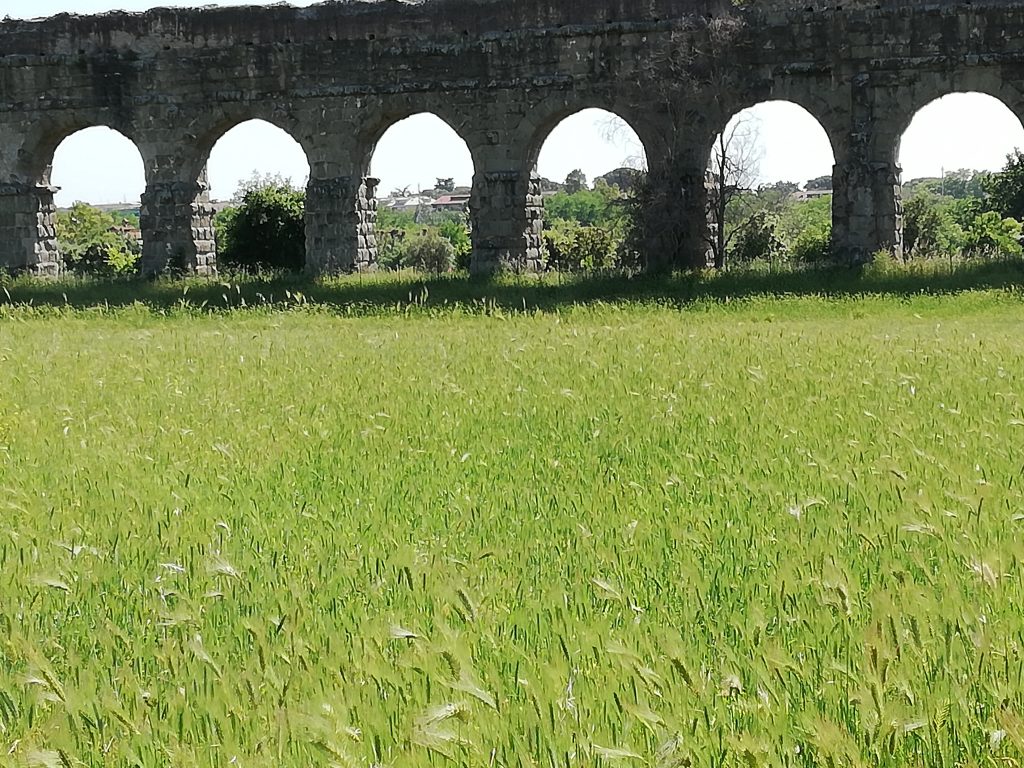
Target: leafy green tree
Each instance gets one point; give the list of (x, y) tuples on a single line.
[(576, 181), (1006, 188), (92, 243), (926, 224), (391, 219), (395, 230), (806, 230), (391, 245), (990, 235), (266, 231), (960, 184), (587, 207), (803, 215), (964, 183), (782, 188)]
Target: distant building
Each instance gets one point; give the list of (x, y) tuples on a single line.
[(453, 202), (409, 204), (802, 195)]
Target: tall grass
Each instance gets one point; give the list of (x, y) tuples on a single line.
[(780, 532)]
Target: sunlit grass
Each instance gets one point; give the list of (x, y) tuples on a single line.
[(764, 532)]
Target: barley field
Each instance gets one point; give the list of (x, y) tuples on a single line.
[(769, 532)]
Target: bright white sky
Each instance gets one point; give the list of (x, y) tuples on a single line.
[(100, 166)]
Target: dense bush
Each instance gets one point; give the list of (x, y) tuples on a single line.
[(429, 252), (991, 235), (266, 231), (927, 227), (91, 243), (456, 233), (937, 226), (1005, 190), (812, 246), (758, 240), (569, 247), (398, 231)]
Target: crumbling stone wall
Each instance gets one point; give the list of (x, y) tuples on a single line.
[(502, 73)]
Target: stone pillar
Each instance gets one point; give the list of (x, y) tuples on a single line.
[(366, 217), (867, 211), (28, 237), (341, 218), (176, 219), (534, 224), (675, 219), (507, 220)]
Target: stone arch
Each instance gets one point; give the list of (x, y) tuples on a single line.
[(898, 111), (545, 117), (736, 161), (203, 141), (818, 98), (800, 110), (177, 214), (382, 118), (537, 127), (935, 162), (898, 146), (35, 155), (378, 118), (28, 206), (116, 141), (279, 145)]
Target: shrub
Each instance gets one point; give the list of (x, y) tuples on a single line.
[(457, 233), (267, 231), (812, 246), (429, 252), (882, 263), (572, 248), (757, 240), (923, 222), (391, 247), (933, 225)]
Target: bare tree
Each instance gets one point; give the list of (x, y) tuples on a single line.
[(618, 132), (732, 172)]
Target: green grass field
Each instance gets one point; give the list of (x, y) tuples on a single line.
[(769, 532)]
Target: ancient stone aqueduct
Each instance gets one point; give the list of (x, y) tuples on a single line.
[(502, 73)]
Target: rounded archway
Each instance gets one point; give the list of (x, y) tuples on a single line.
[(99, 166), (595, 142), (585, 170), (422, 218), (769, 187), (956, 203), (972, 131), (251, 153), (99, 176), (256, 175)]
